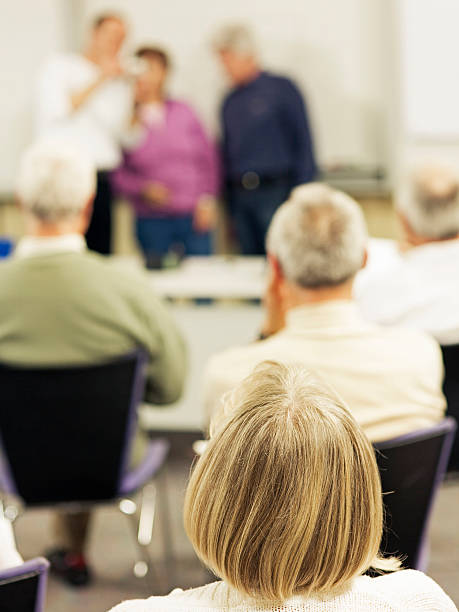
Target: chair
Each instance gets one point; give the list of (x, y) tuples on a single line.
[(23, 587), (451, 391), (66, 435), (412, 468)]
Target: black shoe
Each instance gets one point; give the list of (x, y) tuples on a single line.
[(70, 567)]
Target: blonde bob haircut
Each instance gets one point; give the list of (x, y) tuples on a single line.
[(286, 499)]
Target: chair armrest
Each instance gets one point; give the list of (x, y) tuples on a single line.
[(39, 565), (154, 459)]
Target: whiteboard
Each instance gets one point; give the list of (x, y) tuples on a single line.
[(336, 50), (430, 68)]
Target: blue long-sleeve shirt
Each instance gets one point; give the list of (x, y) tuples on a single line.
[(266, 130)]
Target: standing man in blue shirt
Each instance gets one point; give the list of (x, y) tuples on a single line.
[(267, 143)]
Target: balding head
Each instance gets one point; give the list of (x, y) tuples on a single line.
[(318, 237), (430, 202)]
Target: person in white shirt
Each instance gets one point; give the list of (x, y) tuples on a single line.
[(418, 288), (85, 100), (285, 507), (391, 378)]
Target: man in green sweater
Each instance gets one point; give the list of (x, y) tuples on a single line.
[(62, 304)]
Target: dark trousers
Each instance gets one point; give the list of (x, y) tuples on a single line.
[(71, 530), (158, 236), (99, 233), (252, 211)]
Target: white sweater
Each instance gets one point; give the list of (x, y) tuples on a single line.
[(405, 591), (390, 378)]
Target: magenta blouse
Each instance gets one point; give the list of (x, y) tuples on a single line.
[(176, 153)]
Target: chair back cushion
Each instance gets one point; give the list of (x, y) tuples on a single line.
[(19, 595), (22, 588), (411, 469), (65, 431)]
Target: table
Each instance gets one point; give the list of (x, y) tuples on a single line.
[(235, 285), (219, 277)]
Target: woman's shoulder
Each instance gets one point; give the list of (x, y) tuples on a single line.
[(404, 590), (410, 588), (211, 596)]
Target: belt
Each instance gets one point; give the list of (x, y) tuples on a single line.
[(252, 180)]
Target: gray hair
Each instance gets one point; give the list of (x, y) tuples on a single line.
[(318, 236), (235, 37), (430, 202), (55, 182)]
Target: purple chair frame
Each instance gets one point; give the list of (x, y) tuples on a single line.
[(131, 480), (447, 428), (34, 567)]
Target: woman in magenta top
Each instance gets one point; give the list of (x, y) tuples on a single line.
[(170, 168)]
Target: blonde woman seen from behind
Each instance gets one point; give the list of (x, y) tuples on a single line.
[(285, 507)]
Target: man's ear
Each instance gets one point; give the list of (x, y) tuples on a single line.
[(403, 222), (408, 231), (276, 269), (86, 214), (409, 236), (364, 259)]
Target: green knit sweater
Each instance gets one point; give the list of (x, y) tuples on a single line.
[(78, 308)]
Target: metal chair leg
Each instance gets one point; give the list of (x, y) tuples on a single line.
[(143, 529), (167, 531)]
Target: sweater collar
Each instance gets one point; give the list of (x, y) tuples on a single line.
[(34, 246), (333, 313)]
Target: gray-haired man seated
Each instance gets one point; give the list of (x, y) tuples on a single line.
[(420, 287), (61, 304), (391, 379)]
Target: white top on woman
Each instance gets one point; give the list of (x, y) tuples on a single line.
[(404, 591), (98, 127)]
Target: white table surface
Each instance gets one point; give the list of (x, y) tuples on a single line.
[(215, 276)]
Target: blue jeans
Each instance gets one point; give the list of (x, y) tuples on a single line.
[(252, 211), (157, 236)]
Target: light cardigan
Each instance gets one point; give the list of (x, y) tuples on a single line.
[(416, 289), (405, 591), (390, 378)]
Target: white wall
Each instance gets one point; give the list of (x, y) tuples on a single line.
[(428, 81), (29, 32)]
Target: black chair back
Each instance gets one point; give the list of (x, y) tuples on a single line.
[(451, 391), (23, 588), (412, 468), (65, 431)]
